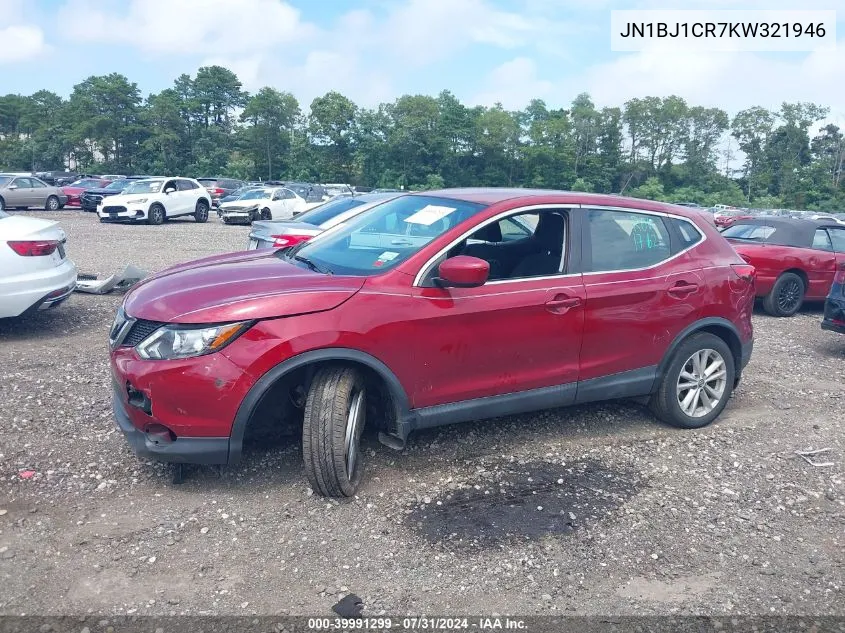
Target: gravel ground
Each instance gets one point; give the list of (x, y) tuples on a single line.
[(588, 510)]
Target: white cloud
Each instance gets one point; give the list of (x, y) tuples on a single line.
[(513, 84), (209, 27), (20, 40)]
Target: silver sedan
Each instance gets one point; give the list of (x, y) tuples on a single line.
[(28, 191)]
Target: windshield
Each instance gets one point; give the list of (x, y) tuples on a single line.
[(756, 232), (385, 236), (5, 180), (328, 210), (144, 186), (256, 194), (118, 185)]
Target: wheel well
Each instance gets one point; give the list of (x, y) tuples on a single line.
[(204, 200), (801, 274), (282, 406), (728, 336)]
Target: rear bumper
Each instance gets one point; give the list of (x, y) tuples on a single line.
[(182, 450), (37, 291)]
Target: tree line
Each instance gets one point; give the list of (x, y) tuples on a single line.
[(655, 147)]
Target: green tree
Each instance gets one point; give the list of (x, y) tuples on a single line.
[(330, 126), (271, 116)]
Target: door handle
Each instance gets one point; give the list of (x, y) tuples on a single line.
[(562, 304), (682, 289)]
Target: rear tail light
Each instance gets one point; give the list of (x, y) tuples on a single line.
[(218, 191), (284, 241), (36, 248), (839, 277), (744, 271)]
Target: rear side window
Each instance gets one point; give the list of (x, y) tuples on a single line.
[(821, 240), (690, 236), (185, 185), (623, 240)]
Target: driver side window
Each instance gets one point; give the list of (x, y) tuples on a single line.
[(519, 246)]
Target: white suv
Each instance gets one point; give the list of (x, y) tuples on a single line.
[(153, 200)]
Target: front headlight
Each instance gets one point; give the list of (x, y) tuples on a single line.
[(185, 341), (136, 201)]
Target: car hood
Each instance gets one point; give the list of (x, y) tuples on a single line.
[(236, 287)]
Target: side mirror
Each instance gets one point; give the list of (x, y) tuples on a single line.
[(462, 271), (169, 190), (12, 187)]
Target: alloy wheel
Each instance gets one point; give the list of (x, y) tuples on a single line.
[(354, 421), (789, 296), (702, 383)]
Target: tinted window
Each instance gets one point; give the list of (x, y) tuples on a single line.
[(837, 236), (387, 235), (329, 210), (207, 182), (622, 240), (289, 195), (821, 240), (689, 234), (185, 185), (756, 232)]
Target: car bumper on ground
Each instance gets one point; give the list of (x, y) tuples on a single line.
[(834, 315), (39, 290)]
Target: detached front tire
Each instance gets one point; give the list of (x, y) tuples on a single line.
[(697, 383), (335, 415), (786, 296)]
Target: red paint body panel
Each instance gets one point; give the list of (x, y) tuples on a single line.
[(443, 345), (771, 260), (74, 194), (237, 287)]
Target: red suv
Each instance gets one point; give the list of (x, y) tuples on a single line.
[(430, 309)]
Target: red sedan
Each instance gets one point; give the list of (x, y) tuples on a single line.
[(795, 260), (727, 217), (74, 190)]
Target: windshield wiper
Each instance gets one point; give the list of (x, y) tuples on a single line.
[(312, 265)]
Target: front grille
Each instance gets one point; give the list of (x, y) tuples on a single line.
[(114, 209), (92, 198), (140, 330)]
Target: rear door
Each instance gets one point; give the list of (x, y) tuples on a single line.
[(188, 194), (40, 192), (635, 268)]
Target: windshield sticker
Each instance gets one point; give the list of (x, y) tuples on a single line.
[(385, 257), (429, 214)]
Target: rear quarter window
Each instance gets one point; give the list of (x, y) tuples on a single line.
[(688, 234)]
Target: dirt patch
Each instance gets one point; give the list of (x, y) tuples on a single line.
[(526, 501)]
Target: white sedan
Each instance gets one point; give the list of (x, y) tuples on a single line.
[(35, 273), (269, 203)]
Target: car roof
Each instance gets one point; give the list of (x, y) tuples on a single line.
[(788, 231), (494, 195)]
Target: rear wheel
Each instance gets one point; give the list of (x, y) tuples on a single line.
[(335, 414), (155, 215), (201, 212), (786, 296), (697, 383), (52, 204)]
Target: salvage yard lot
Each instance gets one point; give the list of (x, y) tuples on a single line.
[(590, 510)]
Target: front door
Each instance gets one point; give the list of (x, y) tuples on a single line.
[(520, 331)]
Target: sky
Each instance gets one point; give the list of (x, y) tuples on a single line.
[(484, 51)]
